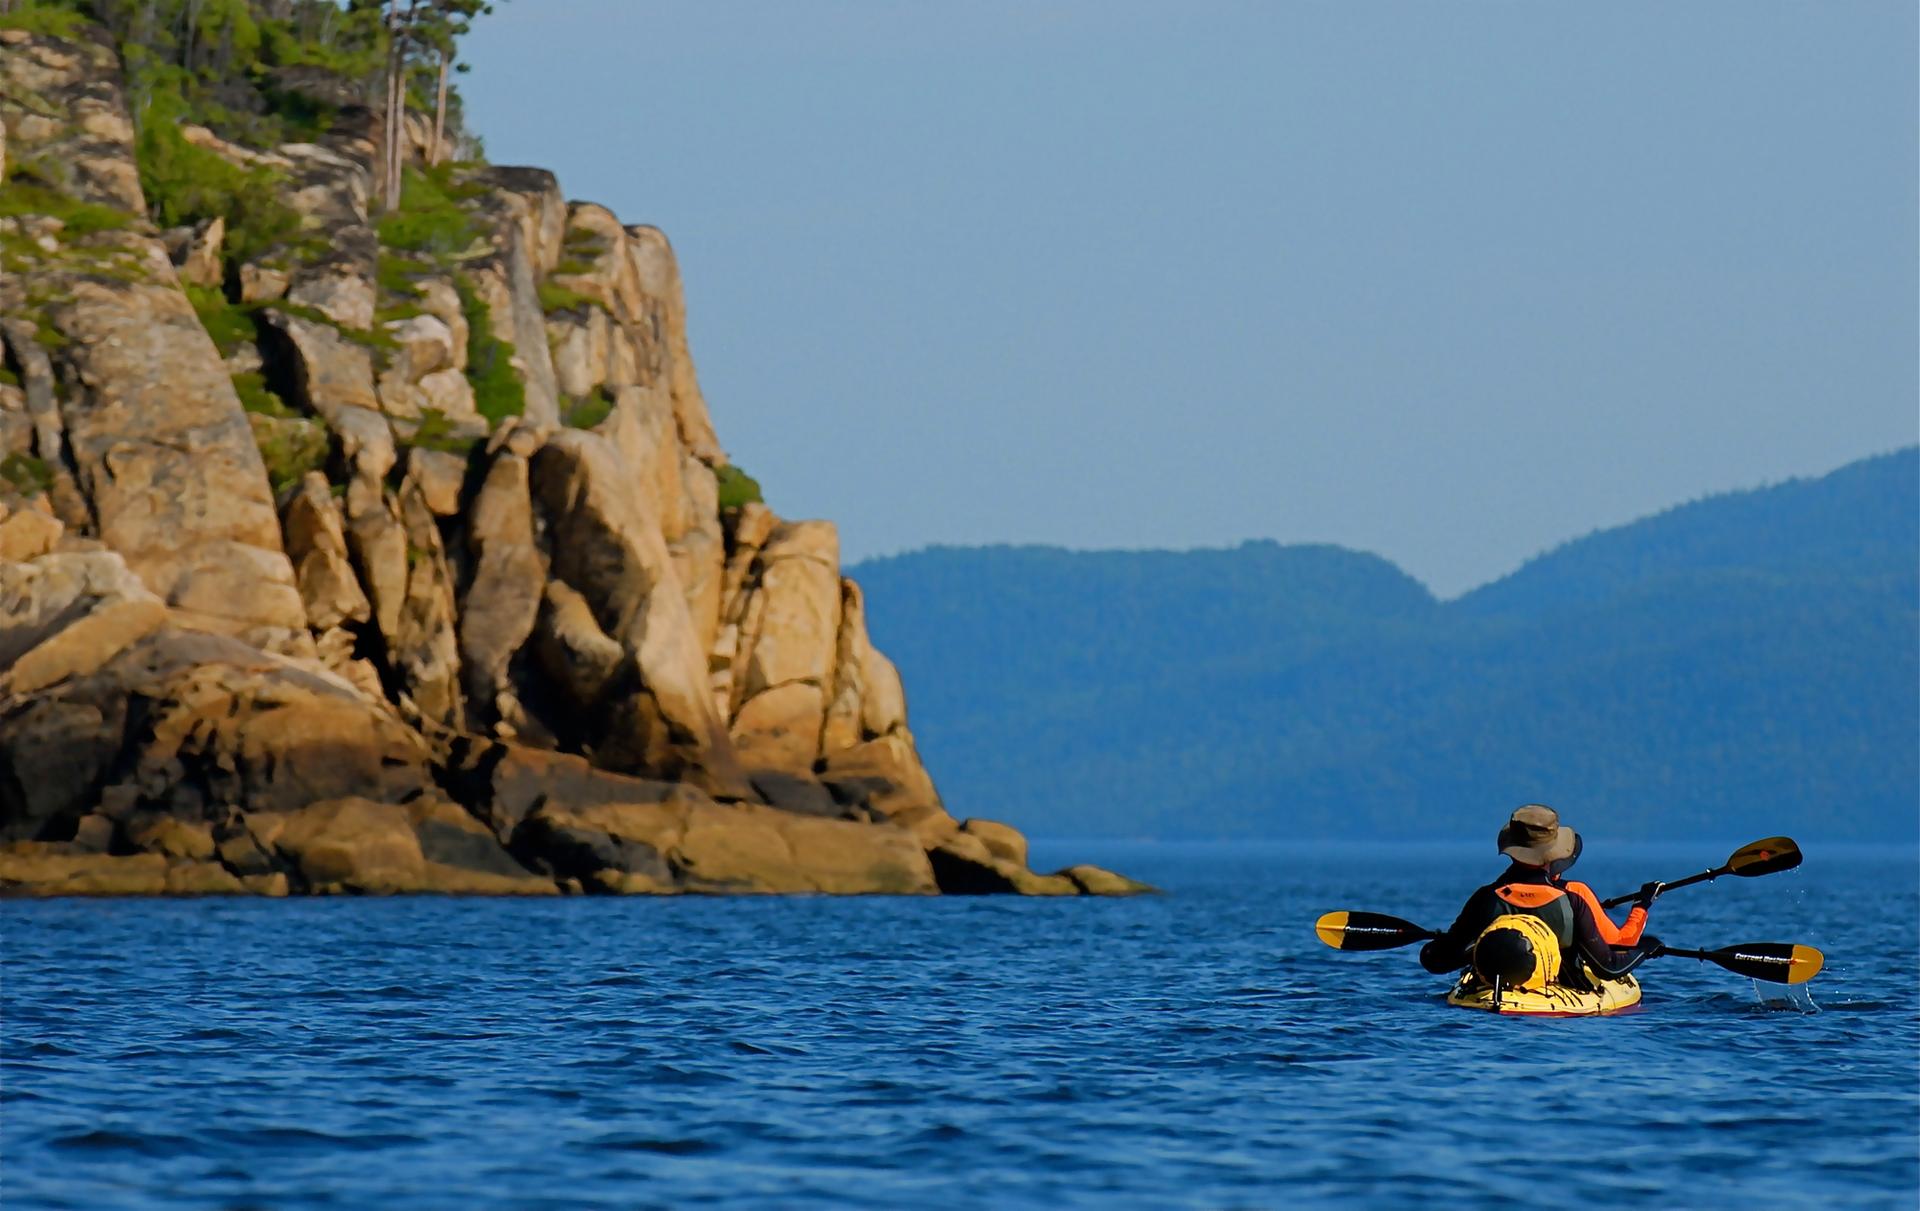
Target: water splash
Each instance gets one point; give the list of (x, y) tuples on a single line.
[(1790, 998)]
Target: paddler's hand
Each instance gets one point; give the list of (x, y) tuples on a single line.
[(1648, 892)]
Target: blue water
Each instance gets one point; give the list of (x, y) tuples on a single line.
[(1198, 1049)]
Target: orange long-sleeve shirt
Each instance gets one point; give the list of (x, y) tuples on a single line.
[(1613, 935)]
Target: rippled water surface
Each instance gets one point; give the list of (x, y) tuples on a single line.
[(1196, 1049)]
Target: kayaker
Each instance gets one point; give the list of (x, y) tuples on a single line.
[(1542, 850)]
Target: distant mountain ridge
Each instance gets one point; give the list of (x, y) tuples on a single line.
[(1797, 527), (1743, 662)]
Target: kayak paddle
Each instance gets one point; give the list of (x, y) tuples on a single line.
[(1368, 931), (1766, 857), (1775, 962)]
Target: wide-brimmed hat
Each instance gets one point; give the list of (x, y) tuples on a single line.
[(1536, 837)]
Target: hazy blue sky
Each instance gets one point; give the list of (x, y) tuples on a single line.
[(1450, 282)]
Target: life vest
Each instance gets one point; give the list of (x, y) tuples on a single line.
[(1549, 904), (1523, 945)]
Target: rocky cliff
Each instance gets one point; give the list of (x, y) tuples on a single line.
[(344, 550)]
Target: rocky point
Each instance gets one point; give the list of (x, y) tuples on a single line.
[(345, 550)]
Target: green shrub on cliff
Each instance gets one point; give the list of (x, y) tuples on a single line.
[(27, 193), (580, 251), (434, 431), (215, 61), (229, 324), (48, 17), (26, 474), (256, 72), (430, 219), (397, 275), (290, 447), (260, 72), (183, 183), (498, 392), (397, 283), (588, 411), (346, 40), (48, 337), (186, 184), (258, 398), (555, 297), (737, 488)]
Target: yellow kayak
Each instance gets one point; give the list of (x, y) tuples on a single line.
[(1552, 1001), (1520, 954)]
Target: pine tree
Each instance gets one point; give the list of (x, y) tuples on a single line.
[(421, 33)]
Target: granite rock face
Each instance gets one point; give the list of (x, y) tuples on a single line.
[(330, 565)]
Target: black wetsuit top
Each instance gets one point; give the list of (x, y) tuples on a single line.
[(1529, 889)]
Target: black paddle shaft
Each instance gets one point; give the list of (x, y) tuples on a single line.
[(1768, 856), (1705, 876)]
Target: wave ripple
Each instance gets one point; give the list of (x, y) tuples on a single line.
[(1198, 1049)]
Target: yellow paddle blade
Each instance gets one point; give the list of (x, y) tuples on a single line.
[(1804, 965), (1332, 928), (1367, 931), (1775, 962), (1766, 857)]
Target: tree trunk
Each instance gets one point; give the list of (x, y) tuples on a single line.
[(192, 14), (438, 151), (386, 141), (396, 139), (396, 95), (386, 106)]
